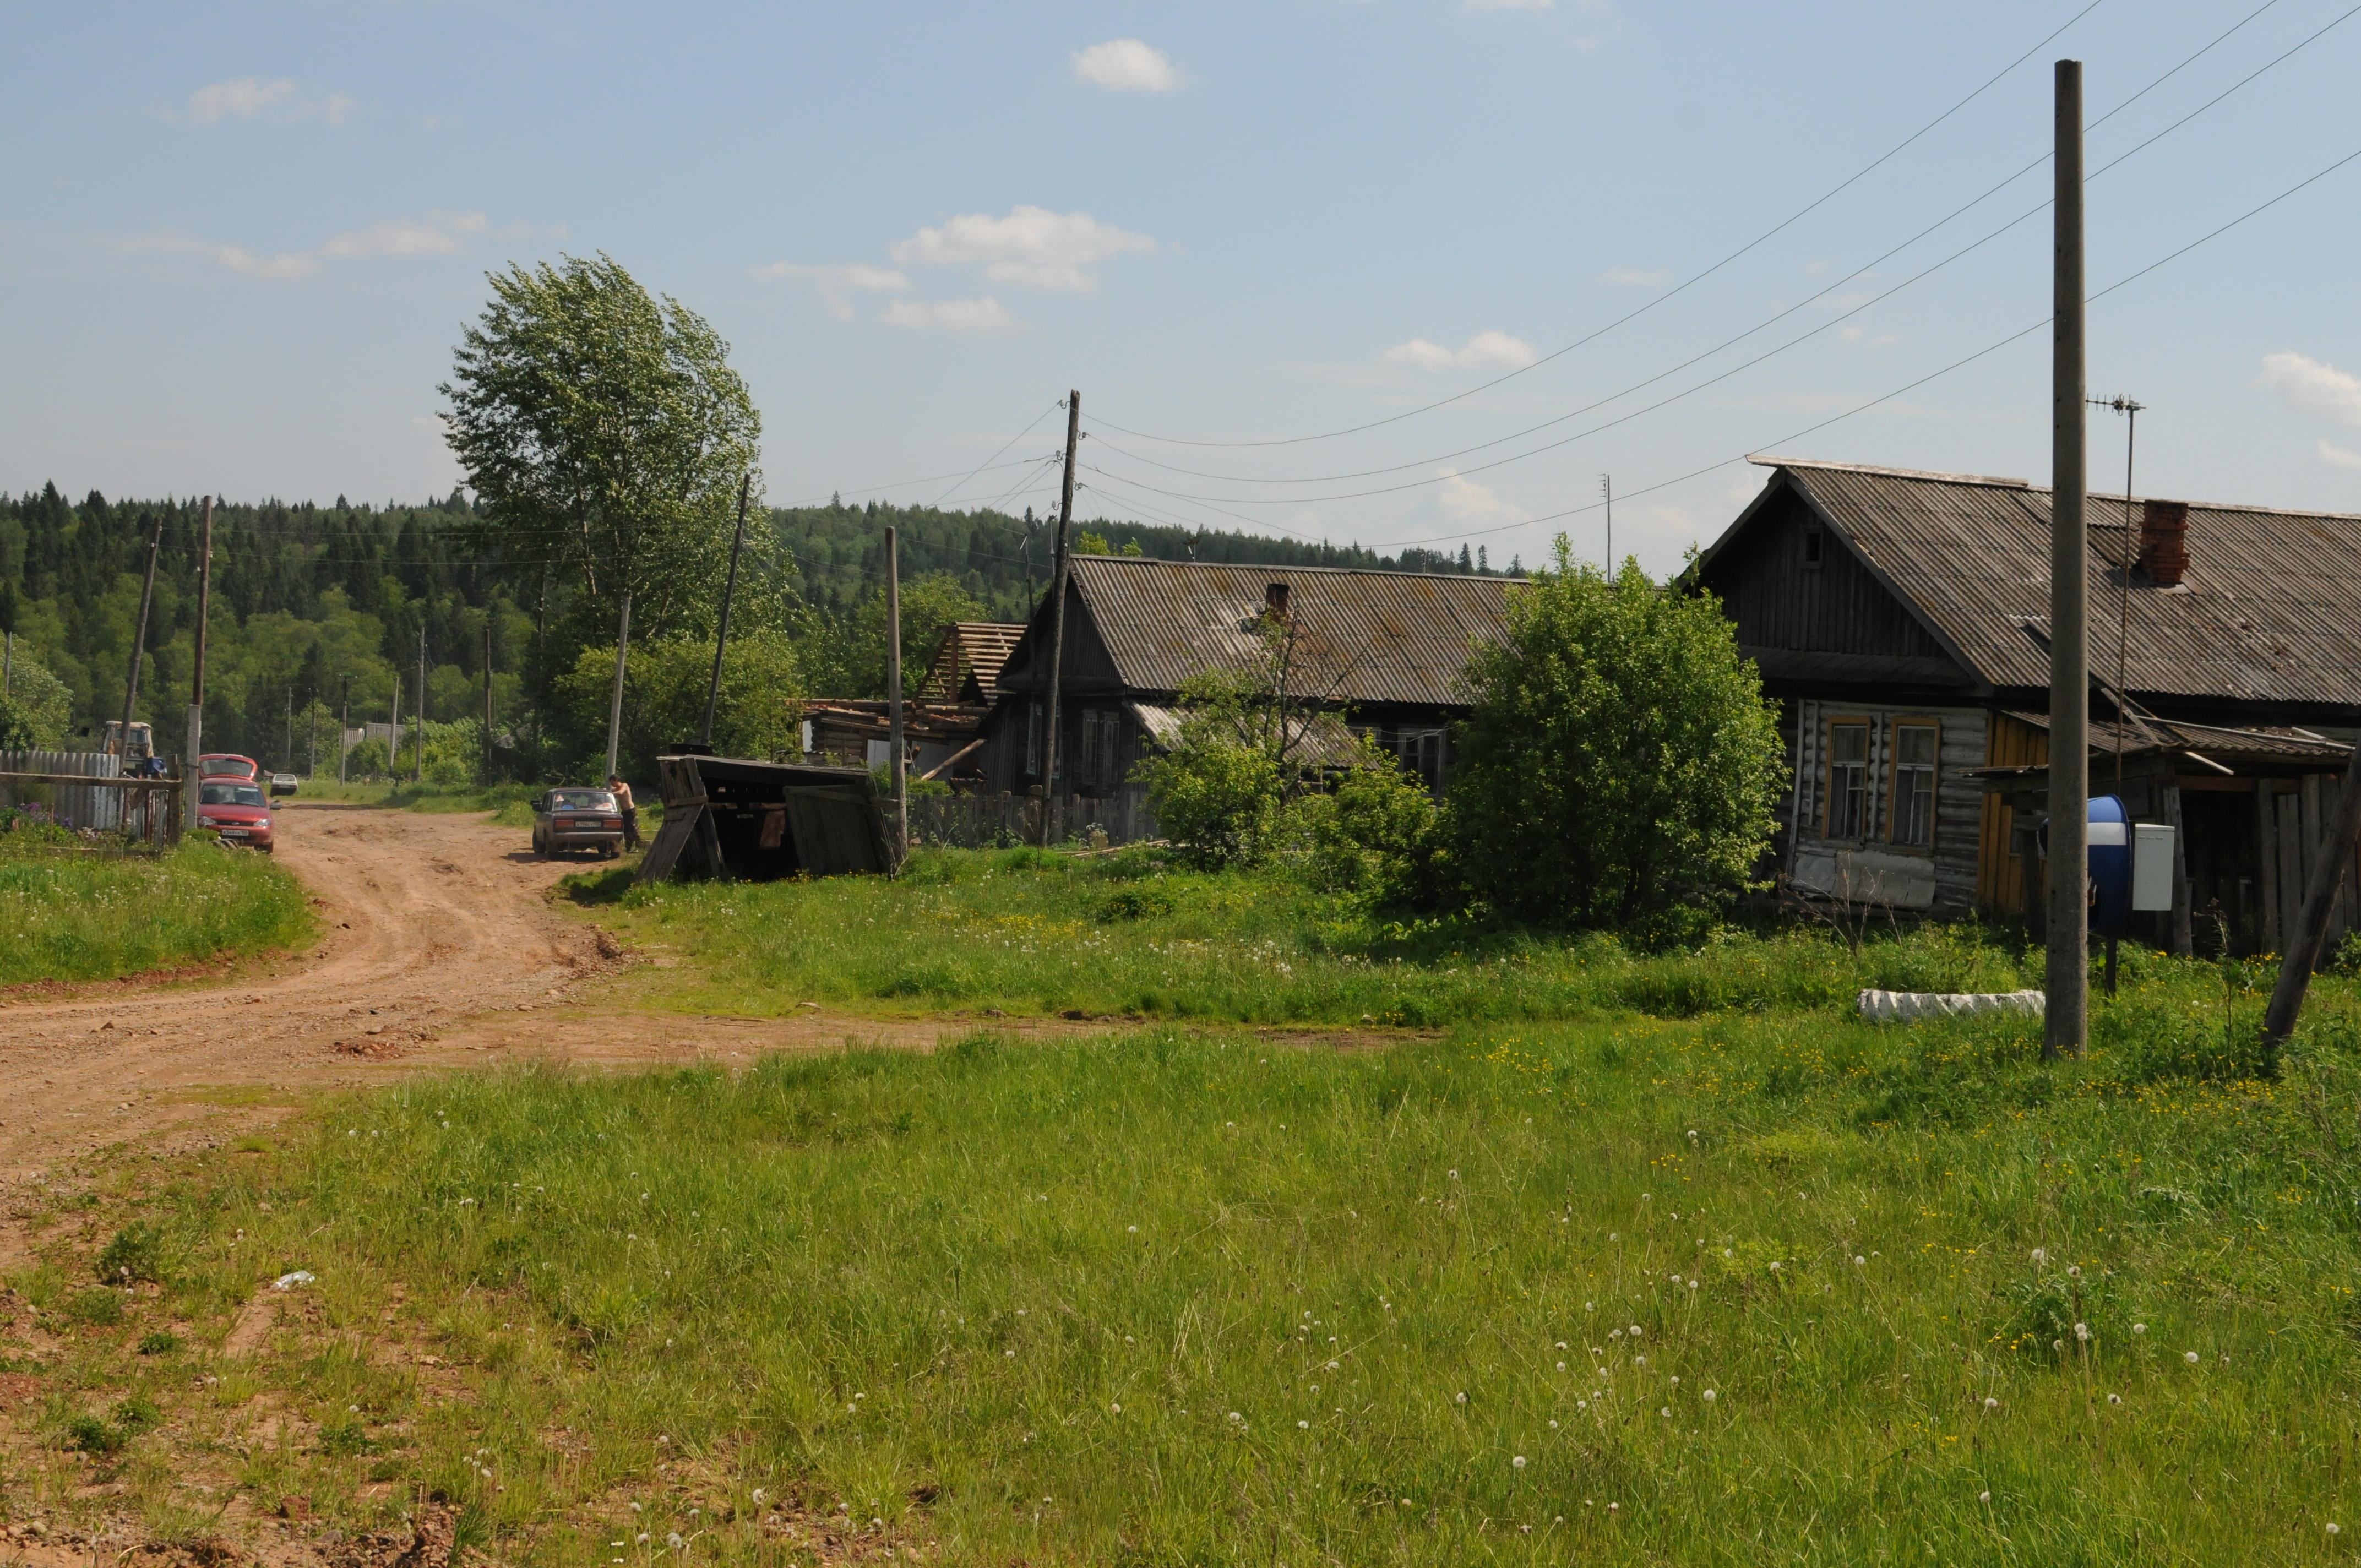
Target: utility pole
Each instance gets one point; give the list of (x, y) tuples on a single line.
[(1058, 624), (615, 703), (487, 696), (139, 646), (894, 694), (312, 742), (344, 730), (418, 758), (2066, 1019), (393, 734), (287, 749), (1606, 493), (729, 591), (195, 743)]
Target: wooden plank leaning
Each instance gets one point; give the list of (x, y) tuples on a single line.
[(2303, 943)]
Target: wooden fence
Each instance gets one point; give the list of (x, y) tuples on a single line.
[(145, 811), (987, 821)]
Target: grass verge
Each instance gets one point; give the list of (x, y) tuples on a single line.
[(73, 916), (1728, 1289), (1131, 934)]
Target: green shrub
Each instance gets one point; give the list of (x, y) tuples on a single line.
[(1376, 833), (162, 1343), (136, 1253), (1620, 764)]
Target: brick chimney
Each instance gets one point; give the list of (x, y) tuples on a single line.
[(2164, 542)]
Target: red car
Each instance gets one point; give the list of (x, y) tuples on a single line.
[(228, 765), (240, 812)]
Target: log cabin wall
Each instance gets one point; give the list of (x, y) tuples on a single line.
[(1941, 878)]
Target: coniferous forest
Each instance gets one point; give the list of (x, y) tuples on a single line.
[(317, 611)]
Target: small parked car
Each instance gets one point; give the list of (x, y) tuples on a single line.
[(228, 765), (236, 810), (284, 783), (568, 819)]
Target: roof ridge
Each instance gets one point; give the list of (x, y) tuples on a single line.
[(1767, 461), (1266, 567)]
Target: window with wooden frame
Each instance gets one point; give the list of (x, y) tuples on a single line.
[(1917, 744), (1847, 812)]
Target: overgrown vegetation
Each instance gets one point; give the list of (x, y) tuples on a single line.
[(73, 916), (1635, 1289)]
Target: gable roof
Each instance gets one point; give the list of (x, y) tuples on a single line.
[(969, 648), (1362, 637), (2269, 610)]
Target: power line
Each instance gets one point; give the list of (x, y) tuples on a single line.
[(1987, 350), (1677, 290), (1799, 305)]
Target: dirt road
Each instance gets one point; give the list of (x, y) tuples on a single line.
[(441, 948)]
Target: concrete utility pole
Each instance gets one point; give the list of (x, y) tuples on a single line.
[(393, 734), (615, 703), (894, 692), (729, 591), (344, 730), (1607, 494), (1058, 624), (139, 643), (195, 744), (2065, 1020)]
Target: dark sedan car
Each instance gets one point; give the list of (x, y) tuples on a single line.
[(568, 819)]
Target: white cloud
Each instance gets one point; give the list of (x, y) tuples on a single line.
[(439, 233), (2336, 456), (1649, 277), (837, 285), (1464, 501), (983, 317), (2314, 387), (1127, 65), (248, 98), (1859, 333), (1032, 247), (1486, 350)]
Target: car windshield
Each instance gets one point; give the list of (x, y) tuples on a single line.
[(226, 767), (582, 800), (228, 795)]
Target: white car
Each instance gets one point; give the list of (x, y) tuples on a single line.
[(284, 783)]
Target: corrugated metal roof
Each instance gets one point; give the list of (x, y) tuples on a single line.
[(1361, 637), (2262, 746), (1322, 740), (2271, 609)]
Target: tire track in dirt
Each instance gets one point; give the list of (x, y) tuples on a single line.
[(440, 950)]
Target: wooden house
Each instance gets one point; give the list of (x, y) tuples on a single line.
[(1901, 620), (1382, 654)]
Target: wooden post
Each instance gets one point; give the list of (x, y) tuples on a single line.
[(2183, 935), (2066, 1019), (2319, 896), (2266, 867), (140, 644), (195, 743), (729, 591), (893, 695), (418, 758), (615, 702), (487, 696), (1058, 624)]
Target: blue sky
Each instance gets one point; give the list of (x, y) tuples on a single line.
[(238, 245)]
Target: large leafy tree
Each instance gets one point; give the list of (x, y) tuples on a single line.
[(605, 436), (1621, 763)]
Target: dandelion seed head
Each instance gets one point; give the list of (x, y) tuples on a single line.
[(1991, 1403), (2190, 1356), (1984, 1497), (2139, 1328), (1708, 1396)]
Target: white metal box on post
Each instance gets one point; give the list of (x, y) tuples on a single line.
[(2151, 866)]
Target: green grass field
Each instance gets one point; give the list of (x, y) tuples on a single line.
[(1131, 935), (1730, 1289), (508, 804), (73, 916)]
